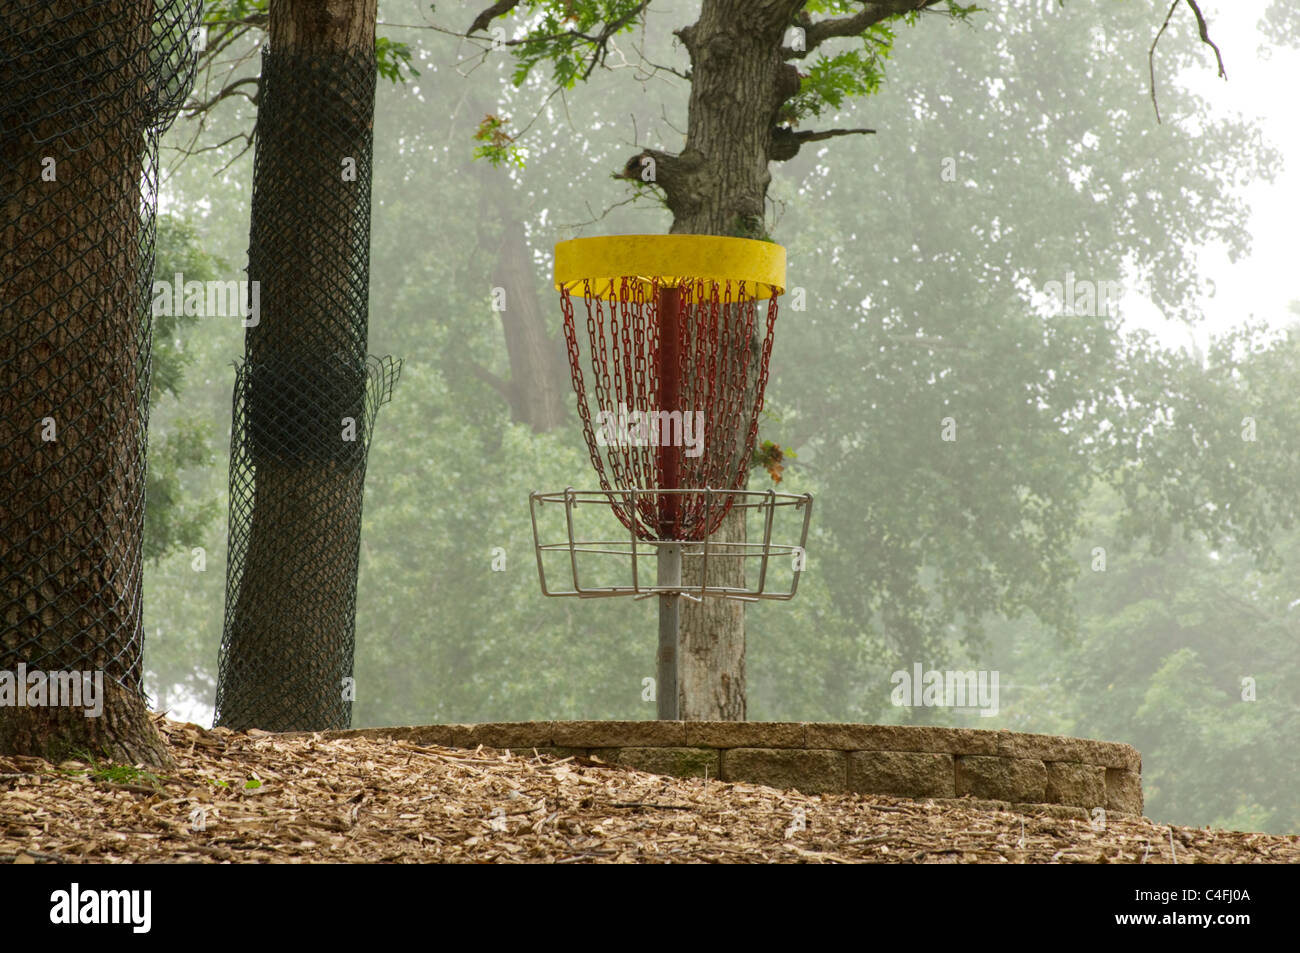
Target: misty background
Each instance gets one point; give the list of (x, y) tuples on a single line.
[(1112, 530)]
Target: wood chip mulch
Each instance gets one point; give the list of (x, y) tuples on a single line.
[(259, 797)]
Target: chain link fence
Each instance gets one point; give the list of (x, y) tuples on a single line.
[(86, 89), (305, 401)]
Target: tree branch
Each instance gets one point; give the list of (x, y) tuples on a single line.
[(668, 168), (602, 41), (222, 40), (253, 19), (831, 134), (1205, 38), (498, 384), (786, 143), (230, 90), (491, 13), (817, 33)]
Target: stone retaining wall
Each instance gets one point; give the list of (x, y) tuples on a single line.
[(1065, 776)]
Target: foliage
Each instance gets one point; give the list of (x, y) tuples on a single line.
[(179, 251), (222, 12), (572, 35), (1282, 19), (1166, 644), (1214, 442), (393, 57), (109, 773), (171, 516), (924, 301), (830, 80), (498, 145), (393, 60), (771, 457)]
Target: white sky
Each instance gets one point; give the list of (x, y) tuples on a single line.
[(1267, 89)]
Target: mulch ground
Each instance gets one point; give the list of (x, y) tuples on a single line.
[(259, 797)]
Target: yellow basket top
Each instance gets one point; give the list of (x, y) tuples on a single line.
[(754, 268)]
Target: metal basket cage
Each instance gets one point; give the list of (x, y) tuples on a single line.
[(760, 504)]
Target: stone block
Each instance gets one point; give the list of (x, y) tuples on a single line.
[(619, 734), (1123, 791), (1082, 785), (745, 734), (809, 771), (505, 734), (675, 762), (902, 773), (1001, 779)]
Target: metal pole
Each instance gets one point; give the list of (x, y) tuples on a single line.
[(669, 359), (669, 557), (669, 566)]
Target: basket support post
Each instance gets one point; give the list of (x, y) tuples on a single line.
[(669, 366), (669, 573)]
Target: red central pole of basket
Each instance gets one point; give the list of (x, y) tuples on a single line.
[(669, 367)]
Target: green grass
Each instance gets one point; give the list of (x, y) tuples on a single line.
[(110, 773)]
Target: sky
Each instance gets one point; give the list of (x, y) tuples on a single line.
[(1262, 86)]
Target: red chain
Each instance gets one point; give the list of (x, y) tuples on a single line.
[(717, 344)]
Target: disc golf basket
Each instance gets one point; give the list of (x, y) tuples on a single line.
[(669, 367)]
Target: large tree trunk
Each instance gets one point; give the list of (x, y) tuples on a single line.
[(289, 637), (74, 358), (718, 185)]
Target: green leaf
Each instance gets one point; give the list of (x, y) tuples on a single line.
[(392, 58)]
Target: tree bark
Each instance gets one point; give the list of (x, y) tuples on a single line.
[(74, 356), (539, 377), (290, 620), (537, 390), (718, 185)]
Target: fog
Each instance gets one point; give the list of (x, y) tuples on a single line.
[(1087, 499)]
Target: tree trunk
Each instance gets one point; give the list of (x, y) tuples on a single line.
[(291, 615), (539, 374), (718, 185), (74, 359), (538, 389)]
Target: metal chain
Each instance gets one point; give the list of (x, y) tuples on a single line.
[(717, 334)]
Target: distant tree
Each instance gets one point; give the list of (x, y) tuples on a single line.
[(908, 306), (758, 70), (171, 519), (1283, 20)]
